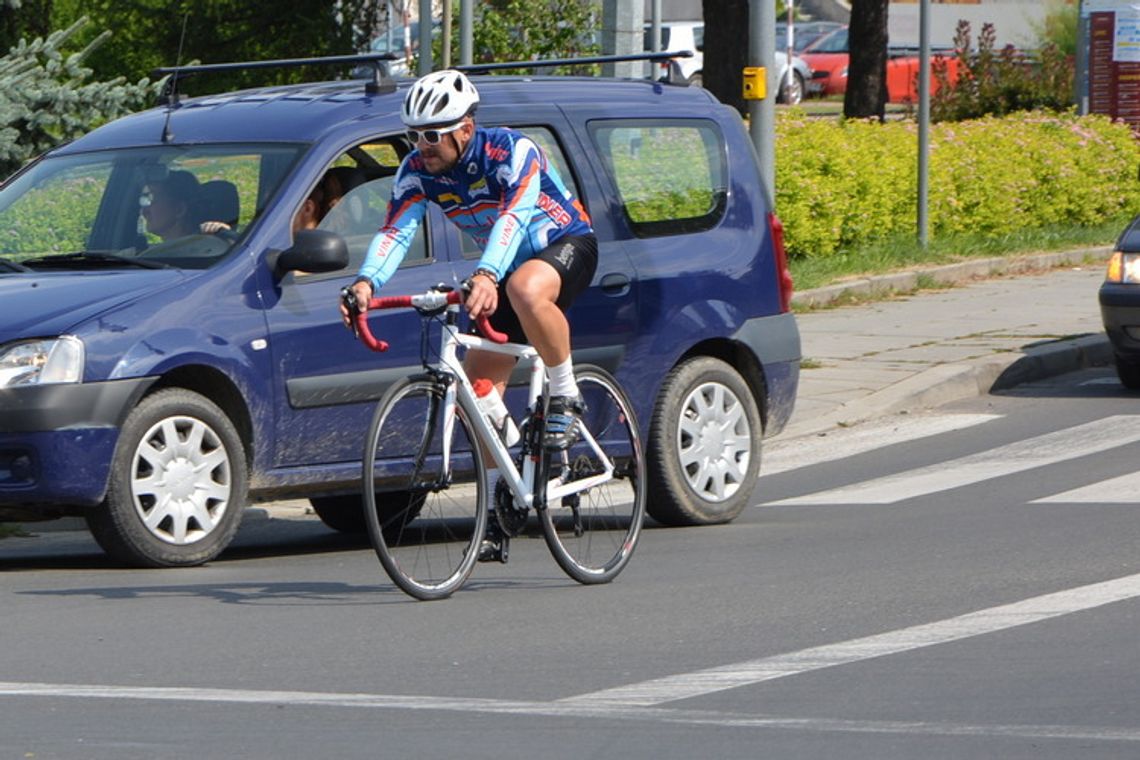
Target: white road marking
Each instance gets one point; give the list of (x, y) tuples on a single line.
[(782, 456), (698, 683), (562, 710), (1042, 450), (1122, 490), (642, 701)]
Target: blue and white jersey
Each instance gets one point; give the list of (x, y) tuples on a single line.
[(502, 192)]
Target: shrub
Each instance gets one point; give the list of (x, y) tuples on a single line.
[(844, 184), (999, 82)]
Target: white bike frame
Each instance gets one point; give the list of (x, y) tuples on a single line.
[(461, 392)]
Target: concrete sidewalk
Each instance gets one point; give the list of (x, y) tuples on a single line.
[(999, 323)]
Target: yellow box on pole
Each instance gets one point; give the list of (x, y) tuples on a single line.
[(755, 83)]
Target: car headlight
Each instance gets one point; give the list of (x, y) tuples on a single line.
[(40, 362), (1124, 268)]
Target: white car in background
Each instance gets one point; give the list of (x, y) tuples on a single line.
[(690, 35)]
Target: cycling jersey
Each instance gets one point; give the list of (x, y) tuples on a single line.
[(502, 192)]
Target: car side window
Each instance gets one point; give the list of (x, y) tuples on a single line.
[(545, 139), (354, 193), (671, 175)]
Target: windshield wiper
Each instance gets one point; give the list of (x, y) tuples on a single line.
[(13, 266), (66, 260)]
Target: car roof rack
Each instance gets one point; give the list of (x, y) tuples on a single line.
[(380, 82), (675, 76)]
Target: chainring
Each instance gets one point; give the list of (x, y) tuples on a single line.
[(511, 517)]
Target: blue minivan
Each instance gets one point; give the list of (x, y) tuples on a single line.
[(171, 349)]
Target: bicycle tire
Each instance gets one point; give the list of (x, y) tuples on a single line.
[(428, 530), (593, 540)]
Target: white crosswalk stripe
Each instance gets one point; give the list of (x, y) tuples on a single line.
[(783, 456), (1122, 490), (1051, 448)]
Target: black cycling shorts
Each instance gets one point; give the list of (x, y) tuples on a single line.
[(575, 257)]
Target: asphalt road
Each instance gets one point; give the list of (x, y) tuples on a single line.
[(961, 584)]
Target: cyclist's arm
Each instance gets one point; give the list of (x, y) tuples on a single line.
[(405, 212), (520, 198)]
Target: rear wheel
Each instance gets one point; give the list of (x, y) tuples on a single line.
[(592, 534), (426, 511), (704, 447), (177, 486), (345, 514)]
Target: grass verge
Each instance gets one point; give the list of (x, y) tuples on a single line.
[(903, 253)]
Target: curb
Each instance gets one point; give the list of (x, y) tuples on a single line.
[(945, 383)]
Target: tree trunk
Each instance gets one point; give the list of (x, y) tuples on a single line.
[(867, 65), (726, 50)]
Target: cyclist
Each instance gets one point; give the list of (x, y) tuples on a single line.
[(539, 249)]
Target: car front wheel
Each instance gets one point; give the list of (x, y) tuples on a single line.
[(178, 484), (1128, 370), (704, 446), (792, 93)]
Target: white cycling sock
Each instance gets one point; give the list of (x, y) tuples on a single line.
[(562, 382)]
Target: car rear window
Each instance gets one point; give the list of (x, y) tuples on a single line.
[(671, 175)]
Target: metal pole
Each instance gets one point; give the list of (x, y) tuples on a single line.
[(425, 65), (923, 120), (466, 31), (762, 112), (789, 75), (445, 38)]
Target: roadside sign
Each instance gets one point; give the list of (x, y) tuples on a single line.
[(1110, 79)]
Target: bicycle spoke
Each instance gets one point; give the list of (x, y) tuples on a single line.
[(425, 528)]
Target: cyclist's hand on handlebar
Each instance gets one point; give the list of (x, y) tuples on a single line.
[(483, 298), (363, 293)]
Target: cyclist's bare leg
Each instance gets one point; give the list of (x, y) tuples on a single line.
[(533, 289)]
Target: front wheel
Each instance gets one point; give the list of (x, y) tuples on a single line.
[(1128, 370), (178, 484), (424, 492), (792, 93), (592, 533)]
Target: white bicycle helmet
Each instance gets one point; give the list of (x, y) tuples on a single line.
[(441, 97)]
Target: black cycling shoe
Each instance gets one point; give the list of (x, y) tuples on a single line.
[(495, 544), (562, 420)]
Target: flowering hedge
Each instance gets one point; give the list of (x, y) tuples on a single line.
[(840, 184)]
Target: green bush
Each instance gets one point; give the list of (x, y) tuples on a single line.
[(844, 184)]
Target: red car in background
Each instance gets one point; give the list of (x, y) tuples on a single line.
[(828, 59)]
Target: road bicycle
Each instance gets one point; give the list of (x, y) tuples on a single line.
[(427, 504)]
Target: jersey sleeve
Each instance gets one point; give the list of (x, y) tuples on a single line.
[(520, 175), (405, 212)]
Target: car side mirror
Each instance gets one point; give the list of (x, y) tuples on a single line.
[(313, 251)]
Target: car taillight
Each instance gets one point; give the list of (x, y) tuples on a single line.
[(783, 275)]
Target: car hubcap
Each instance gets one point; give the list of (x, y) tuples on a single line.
[(181, 480), (714, 441)]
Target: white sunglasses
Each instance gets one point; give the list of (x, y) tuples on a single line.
[(431, 136)]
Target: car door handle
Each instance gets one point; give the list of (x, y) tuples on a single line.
[(615, 284)]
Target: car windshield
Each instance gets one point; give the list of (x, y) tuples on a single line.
[(835, 42), (171, 206)]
